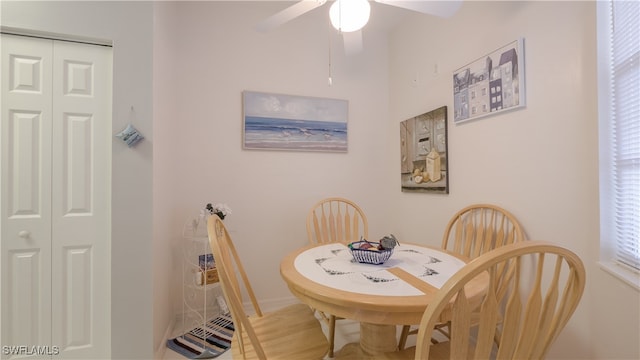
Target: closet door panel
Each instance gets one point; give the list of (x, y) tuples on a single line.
[(25, 137), (77, 313), (77, 184), (25, 298), (81, 185), (24, 156)]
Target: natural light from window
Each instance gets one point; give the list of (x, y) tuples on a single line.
[(619, 129)]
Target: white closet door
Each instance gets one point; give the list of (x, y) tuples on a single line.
[(81, 183), (56, 191), (26, 191)]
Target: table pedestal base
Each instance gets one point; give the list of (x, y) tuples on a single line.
[(374, 339)]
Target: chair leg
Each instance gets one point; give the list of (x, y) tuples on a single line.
[(441, 328), (403, 337), (332, 334), (496, 338)]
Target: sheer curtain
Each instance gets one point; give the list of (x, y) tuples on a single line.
[(619, 114)]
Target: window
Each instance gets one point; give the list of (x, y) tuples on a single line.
[(619, 119)]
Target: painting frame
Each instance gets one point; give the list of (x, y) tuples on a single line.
[(492, 84), (274, 121), (424, 153)]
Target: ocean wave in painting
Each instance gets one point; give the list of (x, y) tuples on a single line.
[(275, 133)]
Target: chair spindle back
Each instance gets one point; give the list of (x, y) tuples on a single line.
[(229, 266), (336, 220), (544, 284)]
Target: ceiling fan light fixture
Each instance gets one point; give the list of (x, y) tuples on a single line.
[(349, 15)]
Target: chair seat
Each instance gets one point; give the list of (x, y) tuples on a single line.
[(292, 332)]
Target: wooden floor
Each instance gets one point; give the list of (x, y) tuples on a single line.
[(346, 332)]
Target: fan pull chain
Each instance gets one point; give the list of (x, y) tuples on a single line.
[(330, 80)]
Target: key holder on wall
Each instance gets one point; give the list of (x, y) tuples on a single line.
[(130, 135)]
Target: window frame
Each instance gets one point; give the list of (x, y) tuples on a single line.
[(607, 261)]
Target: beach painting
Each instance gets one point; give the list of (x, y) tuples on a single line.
[(290, 122)]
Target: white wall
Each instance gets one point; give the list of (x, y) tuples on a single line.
[(164, 283), (129, 26), (541, 162), (214, 55)]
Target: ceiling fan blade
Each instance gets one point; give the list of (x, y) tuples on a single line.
[(438, 8), (288, 14), (352, 42)]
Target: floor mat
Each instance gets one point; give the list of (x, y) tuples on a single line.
[(205, 342)]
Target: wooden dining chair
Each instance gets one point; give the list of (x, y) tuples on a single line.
[(292, 332), (335, 219), (533, 286), (471, 232)]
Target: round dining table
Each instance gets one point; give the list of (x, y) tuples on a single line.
[(327, 278)]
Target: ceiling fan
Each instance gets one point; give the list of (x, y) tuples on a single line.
[(350, 16)]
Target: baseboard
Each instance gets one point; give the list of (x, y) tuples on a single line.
[(274, 304)]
